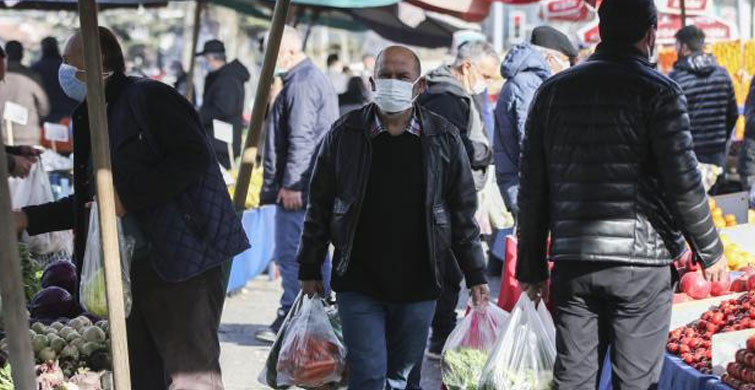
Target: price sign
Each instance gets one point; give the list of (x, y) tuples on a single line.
[(55, 132), (16, 113), (223, 131)]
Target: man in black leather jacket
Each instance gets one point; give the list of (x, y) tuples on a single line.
[(608, 169), (392, 189)]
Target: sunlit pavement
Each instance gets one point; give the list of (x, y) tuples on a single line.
[(243, 357)]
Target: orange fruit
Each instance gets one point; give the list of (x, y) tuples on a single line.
[(718, 213), (730, 218)]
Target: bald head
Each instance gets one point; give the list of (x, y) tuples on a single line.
[(290, 52), (398, 62), (112, 54)]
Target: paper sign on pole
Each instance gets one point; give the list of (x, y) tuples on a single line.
[(16, 113), (55, 132), (223, 131)]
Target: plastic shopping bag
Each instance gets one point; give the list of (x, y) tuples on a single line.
[(92, 292), (311, 354), (469, 345), (35, 190), (524, 356), (269, 375)]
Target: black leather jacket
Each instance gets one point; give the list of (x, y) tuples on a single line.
[(608, 169), (337, 191)]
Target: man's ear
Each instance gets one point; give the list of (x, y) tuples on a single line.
[(421, 85)]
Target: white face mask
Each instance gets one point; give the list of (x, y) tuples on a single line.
[(479, 87), (393, 96)]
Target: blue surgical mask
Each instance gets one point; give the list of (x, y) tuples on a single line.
[(72, 87), (393, 96)]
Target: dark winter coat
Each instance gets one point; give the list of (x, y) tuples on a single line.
[(165, 175), (524, 69), (713, 110), (608, 170), (302, 113), (61, 106), (447, 97), (337, 192), (747, 157), (223, 99)]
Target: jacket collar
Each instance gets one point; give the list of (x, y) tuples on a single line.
[(305, 63), (364, 119), (619, 52), (115, 86)]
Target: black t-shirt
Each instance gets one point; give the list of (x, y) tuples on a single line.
[(390, 258)]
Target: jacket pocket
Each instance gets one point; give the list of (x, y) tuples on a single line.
[(442, 228), (339, 222)]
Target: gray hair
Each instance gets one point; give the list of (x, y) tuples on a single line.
[(474, 51)]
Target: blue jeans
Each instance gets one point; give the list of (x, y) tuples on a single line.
[(288, 227), (384, 340)]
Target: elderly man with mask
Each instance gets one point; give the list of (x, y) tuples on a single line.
[(173, 203), (392, 190), (608, 173), (302, 113)]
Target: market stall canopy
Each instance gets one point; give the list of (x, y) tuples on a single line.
[(72, 5), (567, 10), (343, 3), (468, 10), (410, 25)]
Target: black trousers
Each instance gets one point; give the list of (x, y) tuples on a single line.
[(173, 330), (601, 304)]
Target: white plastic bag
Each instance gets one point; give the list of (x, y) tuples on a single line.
[(468, 346), (92, 292), (524, 356), (311, 354), (35, 190)]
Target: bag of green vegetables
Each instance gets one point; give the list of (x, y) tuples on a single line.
[(468, 346), (92, 292)]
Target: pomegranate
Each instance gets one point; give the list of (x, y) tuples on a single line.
[(695, 285)]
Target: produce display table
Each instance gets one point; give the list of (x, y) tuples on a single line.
[(676, 375), (259, 225)]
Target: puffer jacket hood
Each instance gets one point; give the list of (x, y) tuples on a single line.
[(235, 69), (700, 64), (524, 58), (442, 80)]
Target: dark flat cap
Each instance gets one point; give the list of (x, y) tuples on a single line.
[(549, 37), (212, 46)]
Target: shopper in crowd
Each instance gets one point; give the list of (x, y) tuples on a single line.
[(451, 92), (525, 68), (747, 153), (303, 112), (368, 62), (377, 174), (608, 173), (354, 98), (23, 87), (61, 106), (223, 97), (336, 73), (713, 110), (19, 158), (173, 203), (181, 81)]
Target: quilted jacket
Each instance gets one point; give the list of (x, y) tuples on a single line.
[(167, 178), (711, 102), (609, 171)]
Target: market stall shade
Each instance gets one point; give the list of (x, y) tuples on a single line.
[(343, 3), (516, 1), (468, 10), (567, 10), (72, 5), (409, 25)]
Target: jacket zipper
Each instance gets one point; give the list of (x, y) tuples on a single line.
[(344, 265), (429, 213)]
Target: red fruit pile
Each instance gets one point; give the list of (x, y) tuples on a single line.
[(740, 374), (692, 342)]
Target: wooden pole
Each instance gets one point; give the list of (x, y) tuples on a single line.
[(98, 130), (15, 316), (683, 6), (194, 42), (248, 155)]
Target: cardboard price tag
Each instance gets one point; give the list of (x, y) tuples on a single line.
[(16, 113), (55, 132), (223, 131)]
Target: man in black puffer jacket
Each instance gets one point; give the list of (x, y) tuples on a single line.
[(608, 170), (713, 110)]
